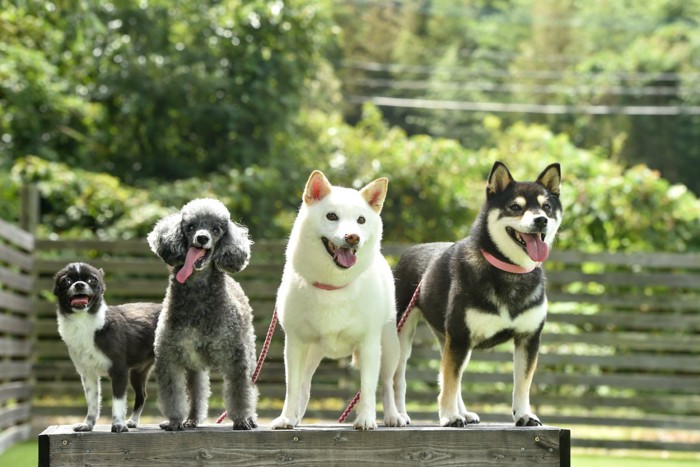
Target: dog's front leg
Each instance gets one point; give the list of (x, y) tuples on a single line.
[(295, 354), (524, 364), (198, 390), (455, 357), (369, 360), (391, 354), (172, 396), (91, 387), (119, 383)]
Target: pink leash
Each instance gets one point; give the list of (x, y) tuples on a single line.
[(261, 358), (399, 326)]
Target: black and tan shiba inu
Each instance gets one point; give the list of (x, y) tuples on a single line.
[(485, 289)]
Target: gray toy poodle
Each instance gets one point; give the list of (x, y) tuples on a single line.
[(207, 321)]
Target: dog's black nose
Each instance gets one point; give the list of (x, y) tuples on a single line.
[(80, 285), (202, 239), (541, 221)]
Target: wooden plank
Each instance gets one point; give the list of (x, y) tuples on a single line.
[(629, 301), (637, 321), (14, 435), (653, 260), (308, 445), (124, 247), (627, 340), (16, 390), (15, 257), (15, 280), (15, 347), (690, 281), (16, 236), (13, 302), (15, 325), (15, 370), (14, 415)]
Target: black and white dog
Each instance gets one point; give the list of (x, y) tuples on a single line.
[(102, 340), (485, 289)]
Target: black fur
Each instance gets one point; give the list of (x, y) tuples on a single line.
[(125, 338), (456, 277)]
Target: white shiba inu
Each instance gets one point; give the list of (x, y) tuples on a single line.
[(337, 298)]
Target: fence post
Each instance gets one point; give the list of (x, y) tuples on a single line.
[(29, 213)]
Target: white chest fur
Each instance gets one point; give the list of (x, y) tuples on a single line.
[(78, 333), (483, 325)]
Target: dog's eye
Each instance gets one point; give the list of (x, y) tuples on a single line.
[(216, 230), (66, 281), (92, 281), (189, 227), (331, 216), (515, 207), (547, 208), (360, 220)]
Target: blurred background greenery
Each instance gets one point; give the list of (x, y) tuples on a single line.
[(120, 111)]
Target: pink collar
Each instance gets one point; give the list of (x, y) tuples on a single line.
[(321, 286), (507, 267)]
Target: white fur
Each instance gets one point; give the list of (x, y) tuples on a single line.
[(357, 319), (505, 244), (78, 332), (483, 326)]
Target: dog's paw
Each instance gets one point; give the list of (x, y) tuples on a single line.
[(190, 423), (471, 418), (172, 425), (119, 428), (247, 424), (394, 420), (365, 421), (529, 419), (406, 417), (131, 424), (82, 427), (282, 423), (459, 420)]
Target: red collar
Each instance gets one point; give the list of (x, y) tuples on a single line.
[(507, 267), (321, 286)]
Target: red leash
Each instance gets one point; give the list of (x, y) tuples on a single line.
[(261, 358), (399, 326)]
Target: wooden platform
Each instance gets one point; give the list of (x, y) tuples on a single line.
[(326, 445)]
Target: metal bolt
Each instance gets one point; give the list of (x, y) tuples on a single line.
[(537, 439), (64, 442), (296, 439)]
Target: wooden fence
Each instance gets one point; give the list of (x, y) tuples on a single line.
[(16, 285), (620, 364)]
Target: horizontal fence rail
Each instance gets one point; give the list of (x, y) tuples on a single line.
[(621, 347)]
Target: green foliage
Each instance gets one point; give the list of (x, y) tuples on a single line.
[(166, 89), (436, 187)]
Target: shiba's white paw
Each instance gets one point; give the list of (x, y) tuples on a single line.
[(283, 423), (132, 424), (405, 416), (394, 420), (529, 419), (365, 421), (471, 418)]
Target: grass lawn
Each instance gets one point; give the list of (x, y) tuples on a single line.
[(27, 455)]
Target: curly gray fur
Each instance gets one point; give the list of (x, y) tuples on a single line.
[(207, 321)]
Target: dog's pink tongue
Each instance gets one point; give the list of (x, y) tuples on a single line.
[(537, 250), (345, 257), (193, 254)]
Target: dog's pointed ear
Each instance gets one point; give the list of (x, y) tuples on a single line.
[(317, 187), (167, 240), (499, 178), (375, 193), (233, 252), (550, 178)]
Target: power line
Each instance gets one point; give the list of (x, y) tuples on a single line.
[(550, 109), (525, 74), (490, 87)]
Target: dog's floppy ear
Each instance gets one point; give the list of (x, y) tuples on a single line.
[(375, 193), (550, 178), (499, 178), (167, 240), (317, 187), (233, 251), (56, 280)]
